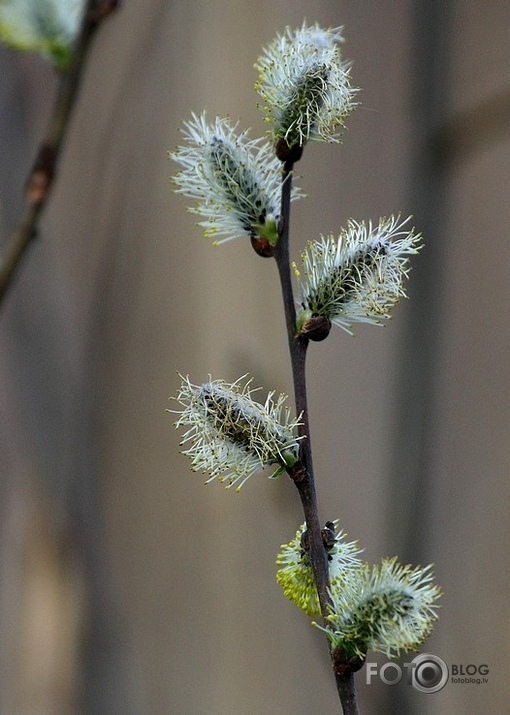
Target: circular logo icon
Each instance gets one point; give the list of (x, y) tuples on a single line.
[(429, 673)]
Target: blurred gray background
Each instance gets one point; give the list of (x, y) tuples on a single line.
[(126, 585)]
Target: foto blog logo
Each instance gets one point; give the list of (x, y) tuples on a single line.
[(427, 673)]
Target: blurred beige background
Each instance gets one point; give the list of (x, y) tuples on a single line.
[(126, 585)]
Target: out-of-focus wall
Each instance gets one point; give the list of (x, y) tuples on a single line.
[(126, 584)]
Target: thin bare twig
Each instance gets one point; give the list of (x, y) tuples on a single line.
[(42, 175)]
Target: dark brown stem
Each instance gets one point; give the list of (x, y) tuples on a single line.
[(303, 474), (42, 175), (298, 348), (347, 693)]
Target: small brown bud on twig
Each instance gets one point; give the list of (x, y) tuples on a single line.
[(297, 472), (316, 328), (262, 246), (342, 665), (289, 154), (41, 176)]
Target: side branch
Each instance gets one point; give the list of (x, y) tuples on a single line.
[(42, 175)]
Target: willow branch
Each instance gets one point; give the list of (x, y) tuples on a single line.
[(303, 473), (42, 175)]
